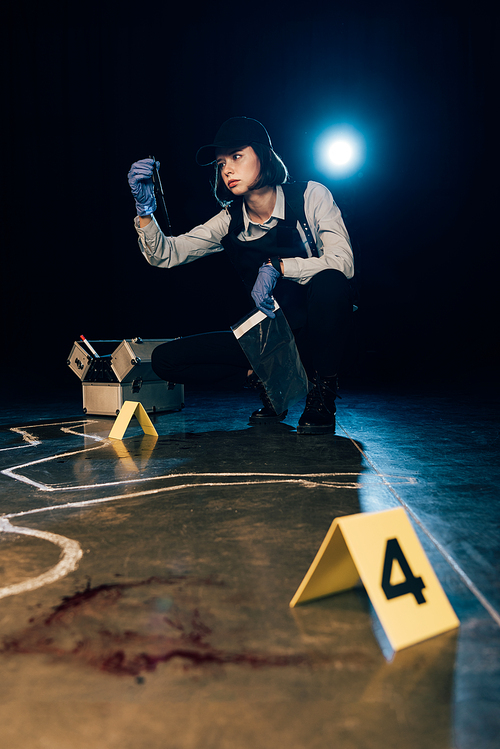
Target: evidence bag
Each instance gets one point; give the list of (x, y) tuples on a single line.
[(269, 345)]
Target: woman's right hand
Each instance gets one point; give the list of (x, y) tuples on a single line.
[(262, 292), (140, 179)]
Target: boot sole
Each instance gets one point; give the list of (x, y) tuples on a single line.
[(309, 429), (255, 420)]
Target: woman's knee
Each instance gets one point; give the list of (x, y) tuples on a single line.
[(161, 361), (330, 279), (331, 287)]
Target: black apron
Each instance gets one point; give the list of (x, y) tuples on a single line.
[(282, 241)]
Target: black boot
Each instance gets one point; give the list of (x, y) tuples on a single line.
[(266, 414), (319, 413)]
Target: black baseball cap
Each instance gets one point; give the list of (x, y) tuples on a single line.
[(237, 131)]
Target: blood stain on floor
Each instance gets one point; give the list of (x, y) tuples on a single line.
[(166, 620)]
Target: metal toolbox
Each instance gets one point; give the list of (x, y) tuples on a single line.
[(131, 354), (79, 360), (108, 380), (107, 398)]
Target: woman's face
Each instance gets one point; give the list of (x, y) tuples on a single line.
[(239, 169)]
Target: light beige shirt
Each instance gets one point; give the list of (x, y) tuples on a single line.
[(322, 214)]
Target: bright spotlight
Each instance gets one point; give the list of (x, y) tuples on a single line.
[(340, 151)]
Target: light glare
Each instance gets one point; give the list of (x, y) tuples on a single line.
[(339, 151)]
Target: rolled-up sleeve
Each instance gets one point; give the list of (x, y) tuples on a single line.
[(330, 234), (167, 252)]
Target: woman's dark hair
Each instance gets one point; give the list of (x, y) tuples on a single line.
[(272, 172)]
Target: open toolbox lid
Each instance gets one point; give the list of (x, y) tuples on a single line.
[(129, 359), (133, 353)]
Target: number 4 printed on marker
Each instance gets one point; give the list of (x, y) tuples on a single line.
[(411, 584), (383, 550)]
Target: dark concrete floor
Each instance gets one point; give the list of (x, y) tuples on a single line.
[(145, 584)]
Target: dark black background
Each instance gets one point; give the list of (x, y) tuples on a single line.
[(91, 88)]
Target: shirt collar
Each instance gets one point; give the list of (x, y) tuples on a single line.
[(278, 211)]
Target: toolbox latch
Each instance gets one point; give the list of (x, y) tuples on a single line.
[(136, 385)]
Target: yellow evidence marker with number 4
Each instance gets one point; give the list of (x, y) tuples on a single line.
[(383, 550)]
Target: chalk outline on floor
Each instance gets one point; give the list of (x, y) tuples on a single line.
[(72, 552)]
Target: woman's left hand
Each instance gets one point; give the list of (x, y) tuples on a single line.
[(263, 288), (140, 179)]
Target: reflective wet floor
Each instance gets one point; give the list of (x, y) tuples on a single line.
[(145, 583)]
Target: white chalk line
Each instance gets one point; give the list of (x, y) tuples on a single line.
[(29, 439), (32, 441), (19, 447), (447, 556), (71, 555), (10, 472), (81, 422), (142, 479), (104, 442), (72, 551), (82, 434), (13, 473), (148, 492), (27, 436)]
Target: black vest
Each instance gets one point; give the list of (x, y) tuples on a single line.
[(281, 241)]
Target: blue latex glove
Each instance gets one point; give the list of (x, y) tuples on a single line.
[(263, 288), (140, 179)]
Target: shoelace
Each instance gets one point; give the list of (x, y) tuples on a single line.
[(320, 391), (254, 383)]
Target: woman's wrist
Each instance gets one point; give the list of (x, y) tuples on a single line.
[(277, 264)]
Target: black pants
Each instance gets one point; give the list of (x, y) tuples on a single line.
[(216, 359)]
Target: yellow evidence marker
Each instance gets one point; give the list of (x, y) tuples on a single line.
[(383, 550), (127, 411)]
